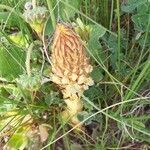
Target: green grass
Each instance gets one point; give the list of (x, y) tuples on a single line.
[(116, 107)]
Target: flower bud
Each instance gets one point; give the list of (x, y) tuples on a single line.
[(36, 17)]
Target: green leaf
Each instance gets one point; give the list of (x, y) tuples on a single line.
[(112, 44), (52, 98), (11, 62), (82, 115), (93, 92), (97, 74), (66, 11), (141, 22), (139, 123), (5, 105), (18, 141), (20, 39), (48, 28), (143, 9), (97, 32), (130, 5), (12, 20), (94, 45), (142, 40)]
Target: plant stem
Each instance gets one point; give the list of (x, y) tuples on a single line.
[(140, 79), (28, 57), (119, 36), (111, 14), (34, 3), (86, 9)]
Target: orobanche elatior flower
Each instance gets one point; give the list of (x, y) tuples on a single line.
[(70, 69)]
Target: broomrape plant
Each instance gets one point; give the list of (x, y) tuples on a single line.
[(70, 69)]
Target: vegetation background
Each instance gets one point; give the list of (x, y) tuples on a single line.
[(116, 108)]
